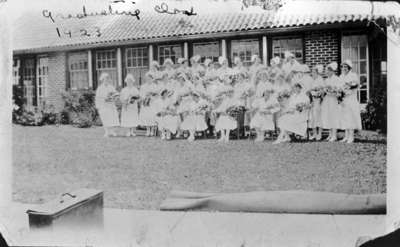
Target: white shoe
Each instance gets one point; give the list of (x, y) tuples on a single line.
[(190, 138)]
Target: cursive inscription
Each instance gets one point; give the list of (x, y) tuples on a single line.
[(164, 9)]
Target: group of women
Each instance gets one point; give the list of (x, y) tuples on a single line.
[(286, 96)]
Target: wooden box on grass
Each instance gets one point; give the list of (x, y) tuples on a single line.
[(82, 208)]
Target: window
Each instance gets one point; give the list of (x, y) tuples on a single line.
[(15, 74), (207, 50), (355, 48), (78, 70), (28, 76), (42, 72), (137, 62), (245, 49), (169, 51), (106, 61), (293, 45)]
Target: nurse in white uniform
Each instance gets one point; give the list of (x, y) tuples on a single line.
[(130, 112), (106, 105), (351, 118), (315, 122), (330, 108)]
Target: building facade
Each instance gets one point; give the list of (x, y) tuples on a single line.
[(45, 71)]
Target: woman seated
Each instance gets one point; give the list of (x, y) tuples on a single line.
[(264, 108), (293, 119), (105, 103)]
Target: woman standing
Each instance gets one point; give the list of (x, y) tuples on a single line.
[(330, 107), (315, 93), (148, 93), (105, 96), (225, 122), (351, 118), (130, 112)]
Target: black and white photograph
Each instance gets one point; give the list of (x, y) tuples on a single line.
[(199, 123)]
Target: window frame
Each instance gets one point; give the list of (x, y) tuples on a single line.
[(112, 71), (289, 37), (164, 57), (246, 62), (71, 71), (214, 59)]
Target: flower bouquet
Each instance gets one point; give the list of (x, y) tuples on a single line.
[(112, 97), (235, 109), (317, 92), (285, 94), (133, 99), (166, 111), (340, 93), (202, 108), (300, 107)]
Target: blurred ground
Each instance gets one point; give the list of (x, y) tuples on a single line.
[(138, 172)]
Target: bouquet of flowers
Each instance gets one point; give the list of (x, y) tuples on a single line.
[(235, 109), (340, 93), (169, 110), (300, 107), (146, 100), (112, 97), (317, 92), (285, 94), (202, 108), (133, 99)]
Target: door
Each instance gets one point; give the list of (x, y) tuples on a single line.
[(42, 72), (355, 48)]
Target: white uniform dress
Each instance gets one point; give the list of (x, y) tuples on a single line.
[(261, 120), (351, 118), (295, 122), (107, 110), (169, 122), (129, 112), (331, 110), (147, 113), (315, 112), (224, 121), (195, 121)]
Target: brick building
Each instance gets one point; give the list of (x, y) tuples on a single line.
[(46, 63)]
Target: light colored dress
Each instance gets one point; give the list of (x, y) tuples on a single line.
[(351, 118), (107, 110), (130, 111), (168, 122), (264, 121), (148, 112), (331, 110), (315, 119), (225, 122), (295, 122), (195, 120)]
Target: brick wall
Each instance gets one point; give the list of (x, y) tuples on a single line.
[(321, 47), (57, 79)]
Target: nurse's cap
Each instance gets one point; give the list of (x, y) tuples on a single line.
[(306, 69), (288, 54), (236, 60), (195, 58), (168, 61), (332, 66), (207, 61), (129, 77), (276, 60), (319, 68), (154, 64), (221, 60), (181, 60), (348, 63), (254, 58)]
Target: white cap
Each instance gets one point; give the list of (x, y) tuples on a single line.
[(254, 58), (348, 63), (129, 77), (168, 61), (221, 60), (319, 68), (207, 61), (288, 54), (236, 60), (276, 60), (305, 67), (181, 60), (154, 63), (195, 58), (333, 66)]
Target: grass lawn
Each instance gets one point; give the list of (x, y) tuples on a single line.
[(138, 172)]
